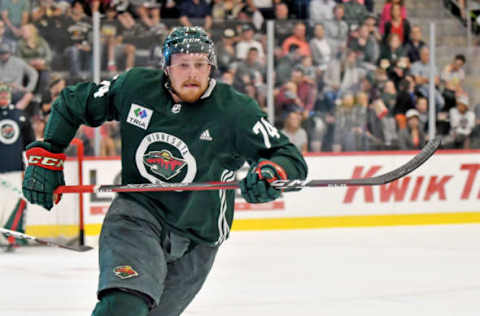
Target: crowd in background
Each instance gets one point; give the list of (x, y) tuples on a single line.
[(346, 79)]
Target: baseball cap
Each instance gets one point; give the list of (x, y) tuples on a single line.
[(228, 33), (411, 113), (463, 99)]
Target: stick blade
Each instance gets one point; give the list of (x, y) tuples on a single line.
[(80, 248)]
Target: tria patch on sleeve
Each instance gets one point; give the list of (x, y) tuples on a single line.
[(125, 272), (139, 116)]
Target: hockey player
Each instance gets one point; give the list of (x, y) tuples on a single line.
[(15, 133), (177, 125)]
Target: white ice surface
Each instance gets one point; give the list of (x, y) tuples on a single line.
[(405, 271)]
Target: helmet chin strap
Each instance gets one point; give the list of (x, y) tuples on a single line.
[(169, 87)]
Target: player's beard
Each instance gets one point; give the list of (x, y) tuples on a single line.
[(190, 94)]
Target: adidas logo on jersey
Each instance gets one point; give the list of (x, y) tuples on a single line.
[(206, 135)]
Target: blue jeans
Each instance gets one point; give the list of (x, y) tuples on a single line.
[(78, 60)]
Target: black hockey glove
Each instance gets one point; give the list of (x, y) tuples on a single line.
[(43, 175), (256, 185)]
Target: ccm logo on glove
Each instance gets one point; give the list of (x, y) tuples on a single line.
[(45, 159)]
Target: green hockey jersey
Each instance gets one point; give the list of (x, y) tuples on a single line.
[(168, 142)]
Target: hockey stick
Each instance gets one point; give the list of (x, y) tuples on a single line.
[(393, 175), (19, 235)]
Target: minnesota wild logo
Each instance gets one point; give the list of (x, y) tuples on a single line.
[(9, 131), (124, 272), (161, 157), (164, 163)]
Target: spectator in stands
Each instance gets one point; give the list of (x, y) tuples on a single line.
[(403, 103), (90, 6), (320, 48), (386, 13), (308, 69), (371, 23), (56, 85), (421, 106), (299, 93), (44, 9), (462, 122), (14, 15), (391, 52), (321, 11), (248, 41), (298, 38), (350, 124), (110, 141), (4, 39), (286, 101), (35, 50), (374, 138), (453, 77), (148, 11), (250, 14), (306, 89), (111, 31), (79, 47), (249, 73), (381, 124), (169, 11), (355, 13), (294, 131), (398, 25), (226, 57), (225, 10), (14, 71), (283, 25), (366, 47), (299, 8), (415, 45), (316, 126), (336, 31), (389, 95), (195, 9), (370, 5), (411, 137), (398, 71), (285, 64), (421, 71), (350, 74), (51, 21), (266, 7)]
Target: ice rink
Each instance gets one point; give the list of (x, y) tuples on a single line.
[(416, 270)]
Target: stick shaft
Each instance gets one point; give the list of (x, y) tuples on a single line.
[(393, 175)]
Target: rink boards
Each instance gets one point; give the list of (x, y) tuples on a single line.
[(446, 189)]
